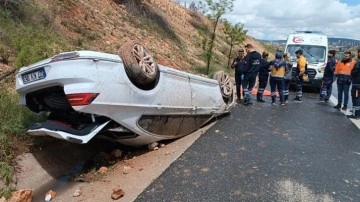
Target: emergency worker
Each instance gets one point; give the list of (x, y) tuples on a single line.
[(355, 89), (300, 71), (343, 77), (239, 64), (277, 78), (287, 76), (263, 76), (252, 67), (326, 87)]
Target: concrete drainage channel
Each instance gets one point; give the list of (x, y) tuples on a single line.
[(60, 167), (55, 166)]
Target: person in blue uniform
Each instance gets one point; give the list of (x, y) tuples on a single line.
[(355, 89), (239, 65), (328, 79), (263, 76)]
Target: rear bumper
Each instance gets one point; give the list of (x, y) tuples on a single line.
[(61, 132)]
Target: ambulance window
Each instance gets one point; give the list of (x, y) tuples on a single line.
[(311, 53)]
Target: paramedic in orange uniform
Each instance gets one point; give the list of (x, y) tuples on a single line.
[(343, 77)]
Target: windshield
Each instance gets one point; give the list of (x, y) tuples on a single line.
[(311, 53)]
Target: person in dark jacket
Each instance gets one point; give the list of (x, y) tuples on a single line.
[(238, 64), (355, 89), (263, 76), (287, 76), (252, 67), (328, 78)]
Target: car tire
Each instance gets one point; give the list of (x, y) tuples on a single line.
[(140, 66), (226, 87)]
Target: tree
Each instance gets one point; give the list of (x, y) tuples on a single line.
[(235, 34), (215, 11), (193, 7)]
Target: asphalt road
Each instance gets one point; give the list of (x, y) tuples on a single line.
[(305, 151)]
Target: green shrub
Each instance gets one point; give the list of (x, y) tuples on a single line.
[(14, 7), (200, 70), (6, 173), (4, 54), (29, 38), (11, 113), (6, 154), (14, 121)]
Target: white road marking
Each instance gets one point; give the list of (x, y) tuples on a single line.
[(334, 100)]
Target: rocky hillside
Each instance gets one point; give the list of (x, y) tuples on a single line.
[(31, 30), (173, 33)]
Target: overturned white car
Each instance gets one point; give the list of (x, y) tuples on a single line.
[(129, 99)]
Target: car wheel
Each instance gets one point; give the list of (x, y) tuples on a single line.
[(225, 84), (140, 66)]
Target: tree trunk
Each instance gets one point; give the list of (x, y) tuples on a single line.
[(211, 45), (229, 56)]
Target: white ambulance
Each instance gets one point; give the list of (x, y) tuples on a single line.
[(314, 46)]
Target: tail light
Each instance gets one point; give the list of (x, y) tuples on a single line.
[(81, 98)]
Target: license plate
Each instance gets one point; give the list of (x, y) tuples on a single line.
[(33, 76)]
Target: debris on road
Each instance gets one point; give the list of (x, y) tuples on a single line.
[(116, 153), (126, 169), (103, 170), (117, 193), (23, 195), (153, 145), (77, 193), (50, 195)]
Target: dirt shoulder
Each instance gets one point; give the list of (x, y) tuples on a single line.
[(132, 175)]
